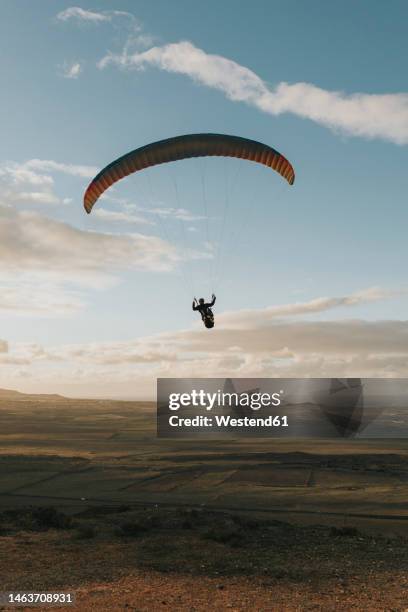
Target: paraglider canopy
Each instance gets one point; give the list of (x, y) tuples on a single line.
[(184, 147)]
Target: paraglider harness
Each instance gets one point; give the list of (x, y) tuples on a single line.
[(206, 313), (208, 318)]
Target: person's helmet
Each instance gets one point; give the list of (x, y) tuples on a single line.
[(201, 300)]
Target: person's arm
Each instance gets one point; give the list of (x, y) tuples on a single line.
[(213, 300), (194, 304)]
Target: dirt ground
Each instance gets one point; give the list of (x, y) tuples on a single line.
[(196, 560), (150, 592)]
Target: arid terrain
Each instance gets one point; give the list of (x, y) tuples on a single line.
[(91, 501)]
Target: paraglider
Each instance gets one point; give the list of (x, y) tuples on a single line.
[(205, 311), (185, 147)]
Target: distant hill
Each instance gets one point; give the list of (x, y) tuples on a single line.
[(11, 393), (16, 395)]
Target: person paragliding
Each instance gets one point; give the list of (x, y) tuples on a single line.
[(204, 308), (184, 147)]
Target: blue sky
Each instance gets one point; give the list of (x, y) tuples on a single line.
[(324, 83)]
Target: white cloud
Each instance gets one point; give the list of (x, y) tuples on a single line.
[(20, 174), (71, 70), (80, 14), (32, 181), (368, 115), (19, 184)]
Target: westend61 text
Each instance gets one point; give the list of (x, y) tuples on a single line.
[(227, 421)]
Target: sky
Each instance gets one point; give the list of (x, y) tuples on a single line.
[(310, 279)]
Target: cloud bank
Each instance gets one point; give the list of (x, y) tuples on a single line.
[(257, 346)]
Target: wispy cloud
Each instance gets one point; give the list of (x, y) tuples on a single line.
[(38, 299), (47, 165), (382, 116), (118, 216), (80, 14), (34, 197), (118, 353), (175, 213), (247, 318), (122, 21)]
